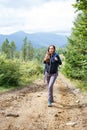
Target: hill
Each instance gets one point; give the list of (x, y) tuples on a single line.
[(38, 39)]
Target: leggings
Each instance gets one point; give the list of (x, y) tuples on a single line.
[(50, 78)]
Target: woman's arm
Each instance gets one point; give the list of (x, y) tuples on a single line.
[(59, 60), (47, 58)]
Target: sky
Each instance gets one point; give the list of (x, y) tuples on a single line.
[(36, 16)]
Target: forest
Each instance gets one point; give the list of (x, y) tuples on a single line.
[(76, 50), (21, 67), (23, 92)]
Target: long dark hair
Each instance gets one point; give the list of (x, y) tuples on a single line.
[(53, 47)]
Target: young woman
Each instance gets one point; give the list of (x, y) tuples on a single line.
[(52, 61)]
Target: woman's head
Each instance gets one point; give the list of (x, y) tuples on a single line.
[(51, 49)]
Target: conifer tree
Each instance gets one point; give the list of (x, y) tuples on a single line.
[(27, 50), (5, 48), (24, 49), (12, 49), (76, 53)]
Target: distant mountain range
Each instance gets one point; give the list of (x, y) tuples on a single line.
[(38, 39)]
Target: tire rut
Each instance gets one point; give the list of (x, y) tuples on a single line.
[(26, 109)]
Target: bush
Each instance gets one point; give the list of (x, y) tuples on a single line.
[(29, 70), (9, 71), (15, 72)]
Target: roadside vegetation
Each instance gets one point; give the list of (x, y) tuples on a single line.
[(21, 67)]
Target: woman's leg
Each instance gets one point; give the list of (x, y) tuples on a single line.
[(47, 77), (50, 87)]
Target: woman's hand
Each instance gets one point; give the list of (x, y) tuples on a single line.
[(56, 58), (47, 57)]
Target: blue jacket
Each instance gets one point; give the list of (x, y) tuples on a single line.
[(52, 66)]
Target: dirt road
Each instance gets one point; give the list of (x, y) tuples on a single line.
[(26, 109)]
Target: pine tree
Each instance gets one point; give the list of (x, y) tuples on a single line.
[(5, 48), (76, 54), (12, 49), (30, 51), (81, 5), (8, 49), (27, 50), (24, 49)]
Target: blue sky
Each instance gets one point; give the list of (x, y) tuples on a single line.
[(36, 16)]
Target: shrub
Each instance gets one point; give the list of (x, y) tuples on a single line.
[(9, 71), (29, 70)]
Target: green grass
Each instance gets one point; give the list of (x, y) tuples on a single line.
[(28, 82), (82, 85), (6, 88)]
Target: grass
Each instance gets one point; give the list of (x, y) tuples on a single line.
[(6, 88), (82, 85)]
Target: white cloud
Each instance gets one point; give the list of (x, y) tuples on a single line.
[(53, 15), (16, 4)]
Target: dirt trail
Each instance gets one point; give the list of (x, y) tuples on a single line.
[(27, 109)]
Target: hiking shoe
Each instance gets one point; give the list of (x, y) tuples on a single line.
[(49, 104), (52, 101)]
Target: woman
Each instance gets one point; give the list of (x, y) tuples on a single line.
[(52, 61)]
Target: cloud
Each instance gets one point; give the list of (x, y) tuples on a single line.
[(21, 3), (36, 15), (51, 16), (16, 4)]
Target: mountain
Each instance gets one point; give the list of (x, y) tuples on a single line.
[(38, 39)]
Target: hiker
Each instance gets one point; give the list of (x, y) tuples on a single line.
[(51, 61)]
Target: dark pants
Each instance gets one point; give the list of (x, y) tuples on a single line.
[(50, 78)]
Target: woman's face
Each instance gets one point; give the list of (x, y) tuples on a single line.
[(51, 50)]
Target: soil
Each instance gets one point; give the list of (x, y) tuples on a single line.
[(27, 108)]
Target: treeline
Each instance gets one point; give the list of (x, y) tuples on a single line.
[(20, 67), (76, 50), (27, 51)]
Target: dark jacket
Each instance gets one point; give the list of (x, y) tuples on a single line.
[(52, 66)]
